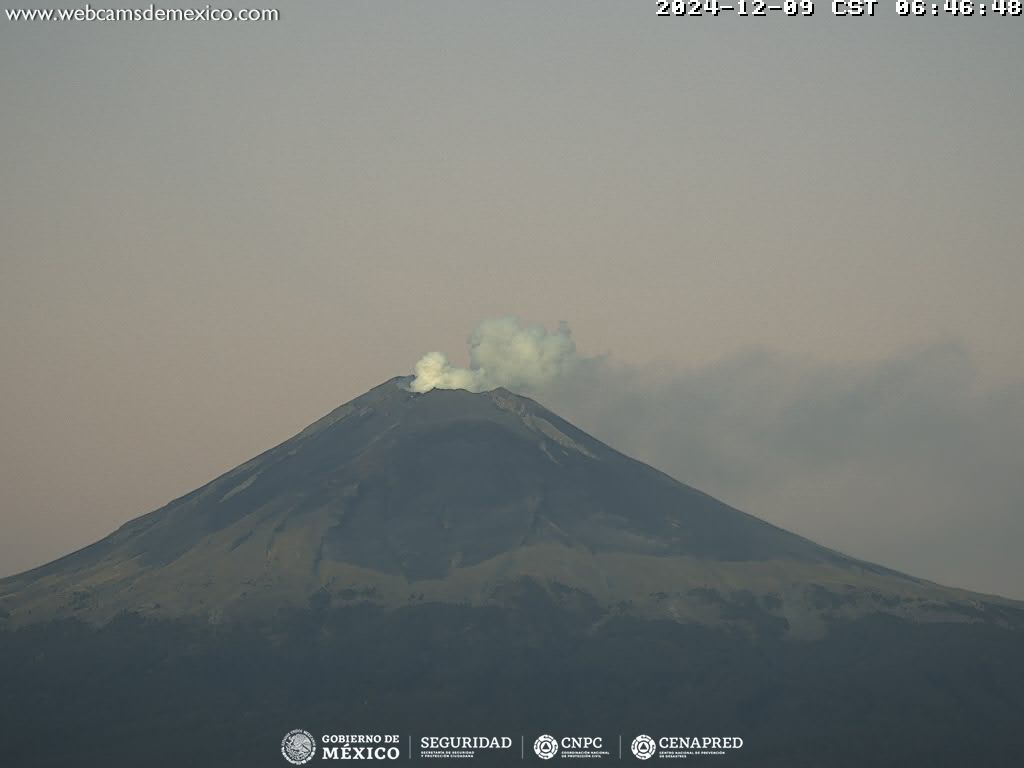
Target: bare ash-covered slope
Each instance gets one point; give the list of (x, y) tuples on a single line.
[(398, 498)]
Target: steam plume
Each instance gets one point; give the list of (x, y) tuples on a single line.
[(502, 353)]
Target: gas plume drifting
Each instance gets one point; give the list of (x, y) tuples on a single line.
[(502, 353), (793, 440)]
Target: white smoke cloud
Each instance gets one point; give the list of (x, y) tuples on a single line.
[(502, 353)]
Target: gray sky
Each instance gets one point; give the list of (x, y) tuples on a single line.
[(214, 233)]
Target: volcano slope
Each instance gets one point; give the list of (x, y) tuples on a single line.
[(466, 563)]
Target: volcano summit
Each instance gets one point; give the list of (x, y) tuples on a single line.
[(461, 560)]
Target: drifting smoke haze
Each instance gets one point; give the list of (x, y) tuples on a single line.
[(907, 461), (502, 353)]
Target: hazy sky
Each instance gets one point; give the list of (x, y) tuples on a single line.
[(214, 233)]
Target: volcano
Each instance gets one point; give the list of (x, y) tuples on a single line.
[(451, 496), (471, 560)]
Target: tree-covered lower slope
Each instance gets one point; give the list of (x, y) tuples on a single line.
[(874, 691)]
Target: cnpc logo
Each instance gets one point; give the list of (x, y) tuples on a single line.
[(546, 746)]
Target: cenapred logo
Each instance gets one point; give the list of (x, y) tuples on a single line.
[(546, 747), (298, 746), (644, 747)]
